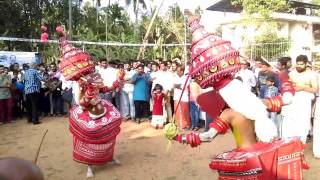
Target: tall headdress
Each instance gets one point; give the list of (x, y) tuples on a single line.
[(212, 58), (74, 62)]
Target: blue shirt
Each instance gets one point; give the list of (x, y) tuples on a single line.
[(141, 90), (32, 81), (268, 91)]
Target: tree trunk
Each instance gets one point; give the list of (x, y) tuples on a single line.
[(136, 13)]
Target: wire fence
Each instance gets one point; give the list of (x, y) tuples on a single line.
[(49, 51), (270, 51)]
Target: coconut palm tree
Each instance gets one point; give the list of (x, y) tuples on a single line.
[(136, 4)]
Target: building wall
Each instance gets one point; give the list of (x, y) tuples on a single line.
[(299, 33)]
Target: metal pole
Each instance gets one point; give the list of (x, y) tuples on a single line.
[(70, 19)]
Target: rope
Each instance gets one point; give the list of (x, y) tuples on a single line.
[(92, 43)]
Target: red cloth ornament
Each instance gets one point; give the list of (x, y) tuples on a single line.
[(43, 28), (280, 159), (44, 37), (60, 29), (94, 140), (212, 103)]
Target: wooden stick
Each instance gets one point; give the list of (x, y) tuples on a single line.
[(38, 151)]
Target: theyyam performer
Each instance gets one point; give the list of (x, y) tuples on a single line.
[(94, 123), (259, 154)]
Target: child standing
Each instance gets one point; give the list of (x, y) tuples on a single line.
[(269, 91), (158, 119)]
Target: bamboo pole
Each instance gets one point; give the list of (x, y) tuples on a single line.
[(142, 49)]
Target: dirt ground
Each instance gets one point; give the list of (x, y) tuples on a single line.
[(140, 148)]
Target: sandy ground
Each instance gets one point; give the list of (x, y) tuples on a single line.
[(140, 148)]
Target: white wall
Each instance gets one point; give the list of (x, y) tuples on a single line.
[(301, 36), (299, 32)]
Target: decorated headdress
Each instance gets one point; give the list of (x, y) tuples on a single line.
[(212, 58), (74, 62)]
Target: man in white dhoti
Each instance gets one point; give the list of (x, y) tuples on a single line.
[(296, 116)]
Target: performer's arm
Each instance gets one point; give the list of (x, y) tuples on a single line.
[(218, 126), (114, 86)]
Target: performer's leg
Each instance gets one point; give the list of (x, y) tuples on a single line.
[(90, 171), (116, 160)]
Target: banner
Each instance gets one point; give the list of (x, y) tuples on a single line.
[(8, 58)]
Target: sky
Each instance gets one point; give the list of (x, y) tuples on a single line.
[(183, 4), (209, 19)]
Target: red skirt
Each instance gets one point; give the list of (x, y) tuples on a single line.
[(94, 140), (264, 161)]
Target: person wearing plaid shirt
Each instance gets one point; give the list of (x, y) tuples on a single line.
[(32, 82)]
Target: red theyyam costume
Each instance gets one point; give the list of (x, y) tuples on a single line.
[(94, 123), (258, 156)]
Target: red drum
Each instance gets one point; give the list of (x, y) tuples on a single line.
[(94, 139), (281, 159)]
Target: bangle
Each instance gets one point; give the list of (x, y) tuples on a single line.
[(220, 125), (276, 104)]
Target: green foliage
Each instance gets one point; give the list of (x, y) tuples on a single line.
[(317, 2), (258, 12), (269, 45), (166, 30), (23, 19), (262, 7)]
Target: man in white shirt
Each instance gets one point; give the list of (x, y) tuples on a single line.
[(108, 75), (296, 116), (126, 99), (182, 115), (247, 76)]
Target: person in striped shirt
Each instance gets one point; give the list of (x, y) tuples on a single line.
[(32, 82)]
